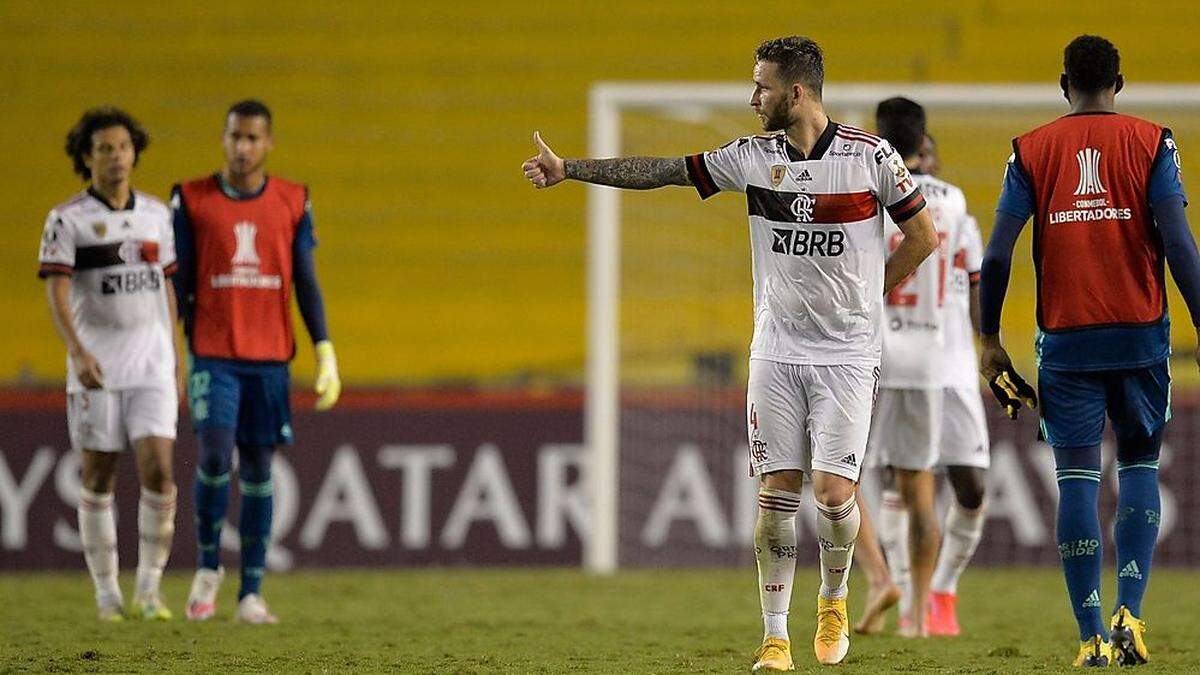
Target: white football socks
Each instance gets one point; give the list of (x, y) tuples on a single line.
[(156, 530), (963, 529), (775, 551), (893, 538), (837, 528), (98, 533)]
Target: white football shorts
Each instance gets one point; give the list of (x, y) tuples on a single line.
[(906, 429), (806, 418), (110, 421), (964, 430)]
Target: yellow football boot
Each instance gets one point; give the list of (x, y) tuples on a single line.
[(833, 631), (1125, 637), (111, 613), (1094, 653), (151, 607), (775, 654)]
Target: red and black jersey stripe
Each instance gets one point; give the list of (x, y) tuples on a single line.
[(907, 208), (701, 178), (835, 208), (47, 269), (106, 255)]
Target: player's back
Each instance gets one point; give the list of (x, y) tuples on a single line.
[(960, 363), (1096, 251), (914, 324), (1098, 259)]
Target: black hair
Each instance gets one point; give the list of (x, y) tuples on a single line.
[(79, 138), (902, 122), (250, 107), (799, 60), (1091, 64)]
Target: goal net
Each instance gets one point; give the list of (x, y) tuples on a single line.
[(669, 299)]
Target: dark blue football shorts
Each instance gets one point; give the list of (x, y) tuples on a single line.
[(1074, 404), (249, 396)]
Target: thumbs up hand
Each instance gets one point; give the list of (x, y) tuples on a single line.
[(546, 169)]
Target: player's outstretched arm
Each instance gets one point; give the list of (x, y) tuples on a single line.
[(635, 173), (920, 239)]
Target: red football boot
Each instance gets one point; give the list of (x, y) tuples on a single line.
[(942, 618)]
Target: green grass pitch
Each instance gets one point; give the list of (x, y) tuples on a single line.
[(555, 621)]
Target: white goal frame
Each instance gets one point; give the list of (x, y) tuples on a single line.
[(606, 102)]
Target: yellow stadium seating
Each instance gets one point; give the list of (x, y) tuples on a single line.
[(409, 122)]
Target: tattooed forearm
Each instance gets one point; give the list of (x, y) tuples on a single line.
[(635, 173)]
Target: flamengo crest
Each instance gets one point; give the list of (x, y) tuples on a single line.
[(802, 208)]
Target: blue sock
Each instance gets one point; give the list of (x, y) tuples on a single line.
[(1078, 531), (254, 524), (212, 492), (1136, 530)]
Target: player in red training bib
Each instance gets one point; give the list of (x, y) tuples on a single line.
[(1107, 204), (245, 244)]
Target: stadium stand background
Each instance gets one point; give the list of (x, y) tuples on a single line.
[(439, 262)]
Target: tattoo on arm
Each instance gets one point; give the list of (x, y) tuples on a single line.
[(635, 173)]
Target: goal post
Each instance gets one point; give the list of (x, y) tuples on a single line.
[(993, 104)]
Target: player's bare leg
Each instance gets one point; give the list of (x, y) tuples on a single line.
[(963, 530), (775, 552), (893, 539), (156, 522), (883, 594), (98, 530), (838, 520), (917, 491)]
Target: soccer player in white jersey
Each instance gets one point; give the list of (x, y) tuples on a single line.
[(105, 255), (907, 424), (965, 450), (816, 192)]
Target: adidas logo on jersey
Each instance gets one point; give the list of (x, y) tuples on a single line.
[(1093, 600), (804, 176), (849, 459), (1131, 571)]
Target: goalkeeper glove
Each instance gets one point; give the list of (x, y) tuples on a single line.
[(328, 385), (1011, 391)]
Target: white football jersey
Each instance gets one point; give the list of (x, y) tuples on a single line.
[(960, 362), (816, 238), (118, 262), (913, 336)]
